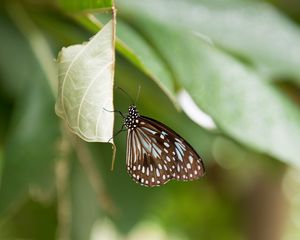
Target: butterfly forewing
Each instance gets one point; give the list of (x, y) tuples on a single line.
[(156, 154)]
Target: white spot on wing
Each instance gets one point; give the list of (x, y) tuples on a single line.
[(179, 155), (149, 130), (191, 159)]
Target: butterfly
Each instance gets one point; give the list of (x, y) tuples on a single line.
[(156, 154)]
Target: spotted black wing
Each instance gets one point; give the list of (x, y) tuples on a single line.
[(156, 154)]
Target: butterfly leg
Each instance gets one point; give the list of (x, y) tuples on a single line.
[(121, 130)]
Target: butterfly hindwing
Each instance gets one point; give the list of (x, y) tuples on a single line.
[(156, 154)]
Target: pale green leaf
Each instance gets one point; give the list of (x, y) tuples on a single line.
[(85, 93)]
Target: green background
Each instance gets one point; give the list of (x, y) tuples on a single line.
[(239, 61)]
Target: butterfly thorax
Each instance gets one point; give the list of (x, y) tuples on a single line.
[(132, 119)]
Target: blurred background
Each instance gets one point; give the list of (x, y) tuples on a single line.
[(224, 74)]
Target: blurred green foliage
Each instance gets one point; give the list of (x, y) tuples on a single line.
[(239, 61)]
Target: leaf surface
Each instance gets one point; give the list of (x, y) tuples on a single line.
[(245, 28), (85, 93)]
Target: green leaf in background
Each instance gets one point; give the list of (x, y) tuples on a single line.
[(134, 47), (79, 5), (20, 225), (85, 93), (85, 207), (246, 108), (253, 30), (12, 44), (30, 147), (30, 152)]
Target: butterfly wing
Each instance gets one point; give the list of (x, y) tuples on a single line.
[(156, 154)]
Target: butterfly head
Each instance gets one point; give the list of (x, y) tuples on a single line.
[(132, 119)]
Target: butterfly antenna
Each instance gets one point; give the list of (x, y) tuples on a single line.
[(115, 111), (126, 94), (138, 94)]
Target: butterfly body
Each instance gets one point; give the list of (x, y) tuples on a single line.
[(156, 154)]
